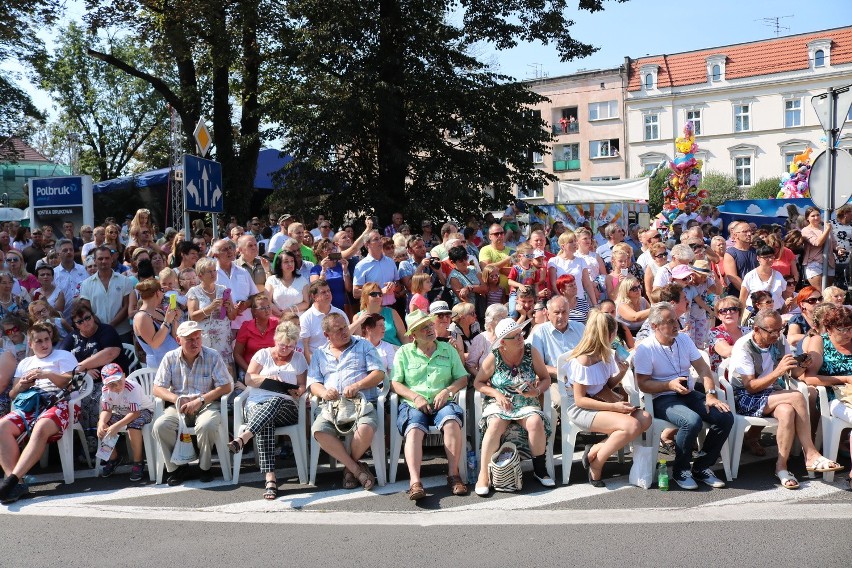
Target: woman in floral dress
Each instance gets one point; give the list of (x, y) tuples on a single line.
[(204, 304)]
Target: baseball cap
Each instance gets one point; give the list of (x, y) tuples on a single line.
[(111, 373), (681, 271), (187, 328), (439, 307)]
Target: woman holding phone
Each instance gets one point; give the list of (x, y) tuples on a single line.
[(594, 402), (276, 378)]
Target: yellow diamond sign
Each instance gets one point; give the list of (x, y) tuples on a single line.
[(203, 139)]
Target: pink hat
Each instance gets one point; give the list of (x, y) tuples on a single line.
[(682, 272)]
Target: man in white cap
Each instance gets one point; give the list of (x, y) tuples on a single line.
[(197, 376), (427, 375)]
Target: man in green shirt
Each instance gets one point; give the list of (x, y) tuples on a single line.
[(427, 375)]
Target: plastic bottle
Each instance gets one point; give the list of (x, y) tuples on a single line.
[(472, 465), (663, 476)]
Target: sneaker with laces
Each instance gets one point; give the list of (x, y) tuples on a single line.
[(108, 466), (708, 477), (136, 471), (15, 493), (684, 480)]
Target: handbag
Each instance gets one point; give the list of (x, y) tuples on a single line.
[(504, 468), (184, 451), (344, 412), (642, 470)]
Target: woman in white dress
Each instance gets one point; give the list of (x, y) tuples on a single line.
[(594, 403), (287, 288), (567, 263), (764, 278)]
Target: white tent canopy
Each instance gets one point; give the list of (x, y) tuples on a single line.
[(602, 191)]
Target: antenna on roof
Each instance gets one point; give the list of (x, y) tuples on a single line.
[(537, 72), (775, 22)]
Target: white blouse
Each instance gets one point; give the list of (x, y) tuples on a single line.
[(285, 296), (594, 376)]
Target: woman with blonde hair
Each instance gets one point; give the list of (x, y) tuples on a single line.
[(594, 403), (834, 295), (371, 303), (631, 308), (205, 303), (18, 268), (659, 258), (142, 220), (567, 262)]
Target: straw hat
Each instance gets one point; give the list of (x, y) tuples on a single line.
[(505, 327), (417, 319)]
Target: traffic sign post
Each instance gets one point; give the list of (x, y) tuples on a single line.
[(202, 187), (826, 106)]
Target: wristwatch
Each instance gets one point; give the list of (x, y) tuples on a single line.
[(712, 391), (450, 394), (201, 398)]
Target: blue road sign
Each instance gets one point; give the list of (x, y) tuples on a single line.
[(202, 183)]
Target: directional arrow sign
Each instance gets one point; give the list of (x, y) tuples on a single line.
[(202, 184)]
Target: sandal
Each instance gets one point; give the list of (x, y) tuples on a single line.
[(822, 464), (365, 477), (755, 448), (456, 485), (271, 492), (667, 448), (349, 481), (416, 491), (788, 481), (235, 446)]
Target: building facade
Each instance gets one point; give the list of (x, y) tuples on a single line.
[(750, 103), (22, 164), (585, 114)]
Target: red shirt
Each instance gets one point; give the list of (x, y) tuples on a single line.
[(251, 337)]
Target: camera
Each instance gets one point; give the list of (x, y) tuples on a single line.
[(435, 263), (334, 256), (801, 358)]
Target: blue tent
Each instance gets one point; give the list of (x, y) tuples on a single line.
[(269, 161)]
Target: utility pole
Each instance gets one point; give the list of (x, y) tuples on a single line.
[(176, 175)]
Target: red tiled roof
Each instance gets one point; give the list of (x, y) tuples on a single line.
[(777, 55), (22, 152)]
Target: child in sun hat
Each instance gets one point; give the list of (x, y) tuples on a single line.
[(123, 405)]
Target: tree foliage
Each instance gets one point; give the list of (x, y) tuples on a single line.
[(765, 188), (388, 110), (114, 114), (721, 187), (655, 190)]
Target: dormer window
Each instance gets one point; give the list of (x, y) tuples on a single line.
[(716, 68), (819, 53), (649, 76)]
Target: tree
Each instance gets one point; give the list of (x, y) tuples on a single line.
[(655, 190), (389, 111), (765, 188), (217, 50), (113, 114), (722, 187)]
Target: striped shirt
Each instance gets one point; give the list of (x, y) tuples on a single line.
[(207, 372), (358, 360)]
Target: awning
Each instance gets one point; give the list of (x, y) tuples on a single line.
[(603, 191)]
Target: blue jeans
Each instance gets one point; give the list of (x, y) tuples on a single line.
[(688, 413), (410, 417)]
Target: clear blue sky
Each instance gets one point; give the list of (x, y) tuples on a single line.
[(635, 28), (649, 27)]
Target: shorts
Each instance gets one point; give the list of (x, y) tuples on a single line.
[(57, 414), (410, 417), (144, 417), (325, 426), (815, 269), (582, 417), (751, 404)]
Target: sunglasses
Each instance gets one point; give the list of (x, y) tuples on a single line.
[(813, 301), (83, 320), (497, 234), (513, 337), (11, 331), (770, 331), (13, 259), (661, 255), (375, 294), (729, 310), (697, 247), (843, 329), (635, 288)]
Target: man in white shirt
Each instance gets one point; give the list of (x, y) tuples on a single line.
[(277, 240), (69, 275), (760, 361), (662, 363), (237, 279), (614, 235), (686, 216), (311, 321), (99, 237), (108, 294)]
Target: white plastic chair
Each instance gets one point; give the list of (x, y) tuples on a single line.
[(130, 352), (660, 424), (296, 433), (221, 440), (377, 447), (145, 379), (569, 428), (396, 439), (66, 442), (546, 405), (832, 427)]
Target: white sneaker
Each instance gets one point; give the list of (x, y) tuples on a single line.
[(708, 477), (482, 491), (546, 481)]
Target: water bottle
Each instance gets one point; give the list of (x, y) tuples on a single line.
[(472, 465), (663, 476)]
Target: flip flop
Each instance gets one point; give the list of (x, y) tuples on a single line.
[(822, 464), (271, 491), (349, 481), (788, 481)]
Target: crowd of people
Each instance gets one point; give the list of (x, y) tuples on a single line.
[(284, 308)]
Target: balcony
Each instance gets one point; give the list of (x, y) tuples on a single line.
[(566, 165), (570, 128)]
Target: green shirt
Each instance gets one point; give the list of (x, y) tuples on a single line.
[(308, 254), (427, 376)]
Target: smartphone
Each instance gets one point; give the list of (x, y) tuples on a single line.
[(226, 297), (624, 272), (801, 358), (684, 381), (621, 352), (172, 301), (334, 256)]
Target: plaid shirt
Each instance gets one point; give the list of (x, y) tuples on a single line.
[(356, 362), (207, 372)]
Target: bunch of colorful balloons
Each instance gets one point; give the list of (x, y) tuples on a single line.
[(794, 183), (681, 189)]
